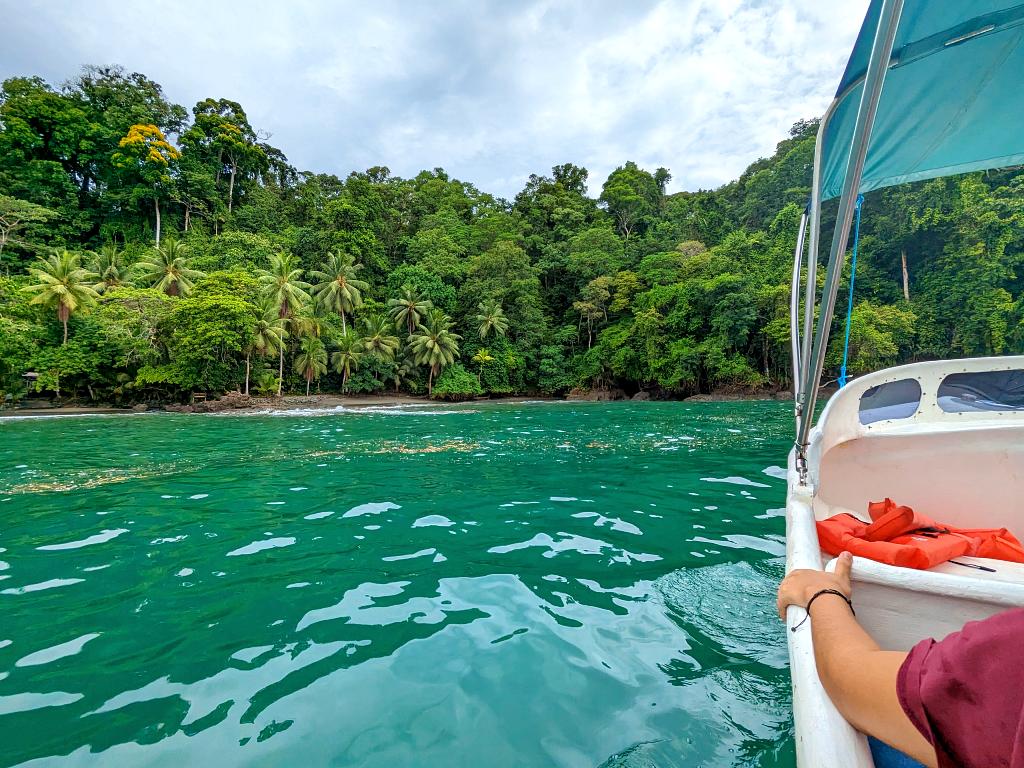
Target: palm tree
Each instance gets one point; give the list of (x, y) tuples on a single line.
[(435, 345), (64, 285), (311, 362), (491, 318), (268, 336), (282, 284), (339, 290), (408, 309), (482, 357), (307, 322), (350, 349), (404, 373), (378, 339), (109, 267), (166, 268)]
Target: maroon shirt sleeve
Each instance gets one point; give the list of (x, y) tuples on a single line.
[(965, 694)]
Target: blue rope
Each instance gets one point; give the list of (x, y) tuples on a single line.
[(849, 306)]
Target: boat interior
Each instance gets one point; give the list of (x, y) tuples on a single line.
[(946, 438)]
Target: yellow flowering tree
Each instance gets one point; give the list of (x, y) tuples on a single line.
[(145, 153)]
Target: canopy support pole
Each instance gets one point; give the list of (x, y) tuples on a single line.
[(794, 302), (849, 305), (881, 53)]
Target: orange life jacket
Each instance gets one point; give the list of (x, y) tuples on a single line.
[(900, 536)]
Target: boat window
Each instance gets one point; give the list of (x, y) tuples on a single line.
[(982, 391), (893, 400)]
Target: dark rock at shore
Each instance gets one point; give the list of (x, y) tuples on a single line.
[(641, 395), (596, 395), (228, 402)]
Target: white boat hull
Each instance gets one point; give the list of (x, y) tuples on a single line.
[(962, 468)]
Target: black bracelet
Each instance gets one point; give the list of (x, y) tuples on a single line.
[(814, 597)]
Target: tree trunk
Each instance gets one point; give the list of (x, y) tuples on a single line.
[(247, 356), (906, 276), (344, 330), (307, 386), (65, 321), (188, 216), (280, 368), (156, 207), (231, 185), (430, 383)]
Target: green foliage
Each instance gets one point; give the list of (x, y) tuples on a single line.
[(263, 267), (878, 336), (206, 337), (456, 383)]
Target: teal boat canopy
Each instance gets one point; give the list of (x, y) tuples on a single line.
[(953, 98)]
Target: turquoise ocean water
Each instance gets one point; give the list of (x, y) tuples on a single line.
[(538, 584)]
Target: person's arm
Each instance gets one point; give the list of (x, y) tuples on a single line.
[(858, 676)]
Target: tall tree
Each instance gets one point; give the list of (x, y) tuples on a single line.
[(408, 309), (311, 360), (378, 338), (491, 319), (64, 286), (108, 264), (145, 154), (222, 132), (268, 335), (283, 285), (435, 344), (339, 289), (632, 196), (166, 268), (346, 358), (19, 215)]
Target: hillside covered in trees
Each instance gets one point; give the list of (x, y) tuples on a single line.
[(149, 251)]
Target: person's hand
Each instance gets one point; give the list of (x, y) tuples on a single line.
[(799, 586)]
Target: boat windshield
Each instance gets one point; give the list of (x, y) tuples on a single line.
[(982, 391)]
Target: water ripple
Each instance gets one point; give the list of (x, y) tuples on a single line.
[(566, 584)]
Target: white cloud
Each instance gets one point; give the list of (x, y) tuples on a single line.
[(491, 91)]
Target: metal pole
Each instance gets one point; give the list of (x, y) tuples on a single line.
[(794, 305), (811, 295), (881, 53)]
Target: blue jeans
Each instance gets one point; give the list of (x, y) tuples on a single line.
[(887, 757)]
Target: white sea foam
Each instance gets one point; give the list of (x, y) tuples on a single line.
[(98, 538), (406, 409), (319, 515), (40, 586), (259, 546), (735, 480), (54, 652), (24, 702), (432, 520), (421, 553), (371, 508)]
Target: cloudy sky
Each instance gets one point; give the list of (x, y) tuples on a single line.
[(491, 90)]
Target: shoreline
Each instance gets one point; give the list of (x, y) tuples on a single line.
[(356, 402)]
